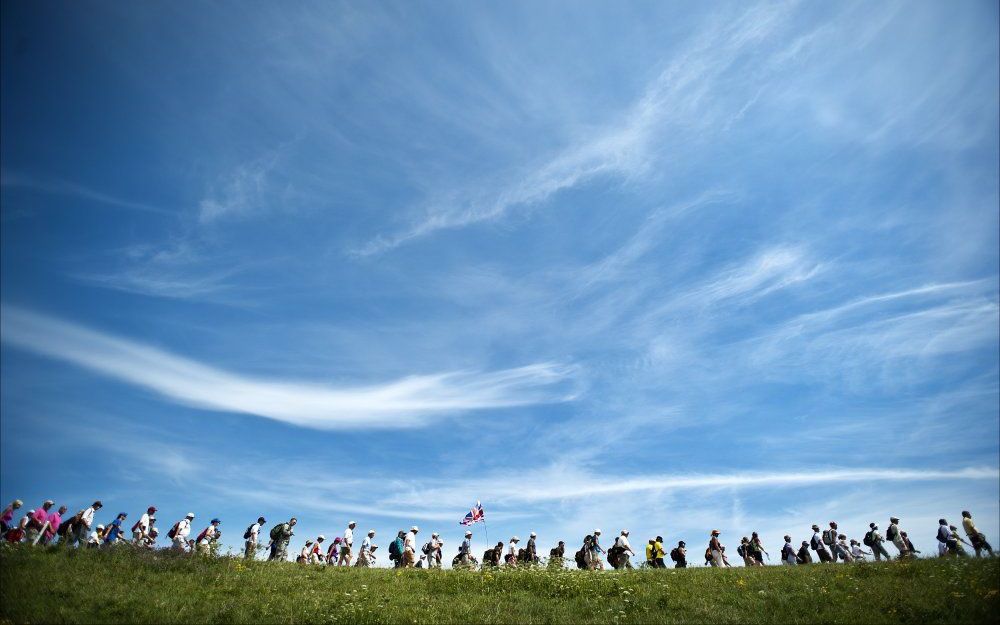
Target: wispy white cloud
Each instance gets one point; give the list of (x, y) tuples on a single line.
[(16, 180), (245, 190), (409, 402)]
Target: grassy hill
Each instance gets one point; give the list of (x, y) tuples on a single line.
[(54, 586)]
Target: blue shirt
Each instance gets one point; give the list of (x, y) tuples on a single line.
[(114, 531)]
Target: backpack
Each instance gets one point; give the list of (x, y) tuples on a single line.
[(813, 543), (426, 548), (581, 562), (276, 532), (136, 526), (829, 537), (248, 533), (868, 540), (173, 530), (890, 534), (394, 549), (202, 535), (675, 554), (741, 551)]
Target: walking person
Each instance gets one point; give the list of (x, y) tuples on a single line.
[(946, 544), (817, 545), (830, 540), (82, 523), (593, 556), (757, 549), (281, 534), (114, 533), (910, 549), (410, 547), (94, 540), (140, 531), (304, 554), (623, 551), (207, 537), (180, 531), (651, 553), (54, 523), (434, 551), (660, 553), (7, 518), (803, 556), (511, 558), (251, 538), (843, 549), (346, 545), (788, 552), (978, 539), (38, 522), (893, 534), (876, 542), (743, 551), (530, 550), (679, 555), (365, 553), (715, 549), (557, 555), (857, 552), (396, 549)]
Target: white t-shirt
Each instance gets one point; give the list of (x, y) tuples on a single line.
[(513, 548), (209, 534), (143, 523), (183, 529), (348, 537), (87, 517), (254, 532), (410, 542)]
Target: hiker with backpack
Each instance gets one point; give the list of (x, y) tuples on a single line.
[(593, 554), (207, 536), (651, 553), (788, 555), (511, 557), (757, 549), (557, 555), (875, 540), (817, 545), (281, 534), (623, 551), (81, 522), (843, 550), (410, 547), (7, 518), (679, 555), (978, 539), (141, 528), (432, 550), (714, 552), (114, 533), (893, 535), (94, 540), (910, 549), (396, 549), (180, 531), (945, 542), (346, 545), (743, 551), (251, 537), (830, 540), (803, 556), (530, 550)]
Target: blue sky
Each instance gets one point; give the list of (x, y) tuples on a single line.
[(663, 266)]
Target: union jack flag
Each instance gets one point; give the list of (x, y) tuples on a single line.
[(474, 516)]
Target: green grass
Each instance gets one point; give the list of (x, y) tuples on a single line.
[(55, 586)]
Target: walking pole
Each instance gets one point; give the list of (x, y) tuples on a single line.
[(41, 533)]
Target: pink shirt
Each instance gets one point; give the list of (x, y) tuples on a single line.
[(40, 515), (8, 514), (54, 521)]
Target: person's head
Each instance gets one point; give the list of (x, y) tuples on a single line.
[(854, 542), (371, 533), (682, 544), (833, 524), (320, 538), (97, 505), (942, 522), (744, 540), (753, 535), (352, 525), (62, 510), (624, 532), (17, 503), (788, 538), (842, 537), (873, 526), (292, 521), (597, 532), (468, 534), (966, 515), (515, 539), (952, 528), (261, 520), (151, 510), (48, 504), (415, 529), (659, 539), (337, 540), (153, 533), (903, 534), (715, 533), (500, 545), (100, 528), (309, 543), (805, 543), (216, 522), (652, 541), (189, 516), (533, 535), (893, 519), (401, 534), (122, 515), (434, 534), (815, 527)]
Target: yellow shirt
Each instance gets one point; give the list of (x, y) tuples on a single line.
[(649, 551), (659, 550), (969, 527)]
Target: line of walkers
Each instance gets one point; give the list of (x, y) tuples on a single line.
[(45, 526)]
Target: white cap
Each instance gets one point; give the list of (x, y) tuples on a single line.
[(351, 523), (515, 539), (434, 534), (100, 527), (468, 532), (624, 532), (371, 532), (534, 535), (321, 537), (190, 515), (414, 529), (597, 531)]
